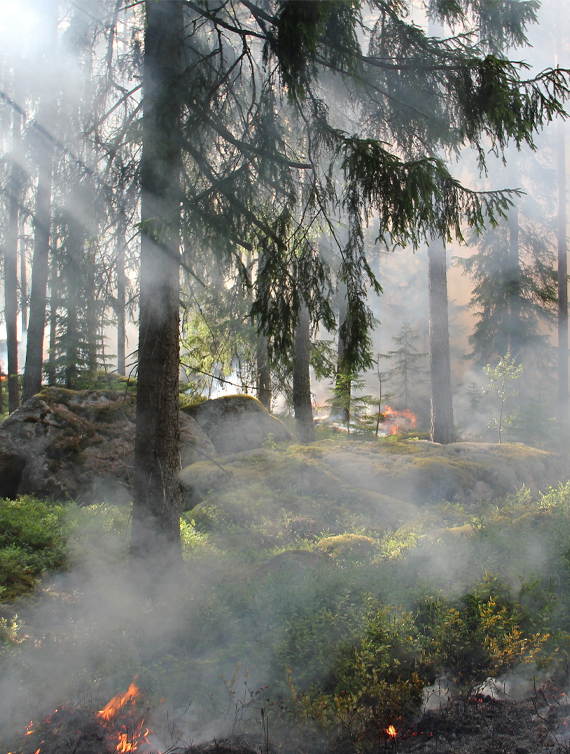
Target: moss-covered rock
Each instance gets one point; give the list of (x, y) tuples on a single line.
[(341, 486), (69, 444), (237, 422), (352, 547)]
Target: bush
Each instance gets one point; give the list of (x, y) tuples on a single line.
[(32, 541)]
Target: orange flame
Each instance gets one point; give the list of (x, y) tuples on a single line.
[(124, 727), (399, 420), (391, 731), (110, 710), (128, 741)]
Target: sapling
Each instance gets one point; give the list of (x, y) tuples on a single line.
[(501, 378)]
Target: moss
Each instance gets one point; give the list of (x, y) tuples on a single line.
[(355, 547), (393, 444), (520, 452)]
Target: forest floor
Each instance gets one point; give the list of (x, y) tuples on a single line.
[(307, 596)]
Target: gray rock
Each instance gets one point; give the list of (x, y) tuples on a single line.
[(66, 444), (237, 422)]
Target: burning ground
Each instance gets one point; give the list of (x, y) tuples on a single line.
[(324, 589)]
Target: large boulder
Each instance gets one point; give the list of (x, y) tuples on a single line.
[(237, 422), (66, 444)]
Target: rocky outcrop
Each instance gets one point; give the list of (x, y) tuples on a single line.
[(80, 445), (237, 422), (314, 486)]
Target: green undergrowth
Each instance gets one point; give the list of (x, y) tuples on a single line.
[(32, 540), (332, 621)]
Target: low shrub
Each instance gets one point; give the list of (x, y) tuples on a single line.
[(32, 541)]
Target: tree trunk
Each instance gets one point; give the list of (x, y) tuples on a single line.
[(304, 425), (53, 300), (11, 262), (515, 339), (442, 427), (343, 386), (121, 301), (562, 279), (156, 513), (92, 324), (263, 373), (40, 268), (42, 222), (23, 288)]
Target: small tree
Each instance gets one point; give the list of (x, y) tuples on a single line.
[(501, 378), (352, 410), (407, 361)]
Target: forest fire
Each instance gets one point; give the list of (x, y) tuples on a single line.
[(391, 731), (118, 727), (128, 738), (395, 421)]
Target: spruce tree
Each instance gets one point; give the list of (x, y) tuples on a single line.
[(407, 370)]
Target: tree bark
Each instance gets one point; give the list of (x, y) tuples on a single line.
[(562, 278), (42, 222), (11, 262), (442, 426), (121, 301), (156, 513), (40, 268), (23, 288), (515, 339), (263, 385), (304, 425), (343, 387), (53, 301)]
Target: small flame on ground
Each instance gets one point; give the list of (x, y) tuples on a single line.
[(127, 742), (118, 701), (126, 733), (391, 731)]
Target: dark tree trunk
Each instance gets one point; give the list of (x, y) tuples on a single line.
[(11, 262), (263, 386), (121, 302), (515, 336), (562, 279), (442, 427), (92, 323), (23, 288), (304, 425), (53, 300), (40, 268), (156, 512), (42, 223), (343, 387)]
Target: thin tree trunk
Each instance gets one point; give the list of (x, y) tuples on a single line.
[(156, 513), (92, 323), (343, 387), (11, 262), (514, 286), (40, 269), (562, 279), (23, 288), (263, 386), (304, 425), (53, 299), (121, 302), (42, 224), (442, 426)]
